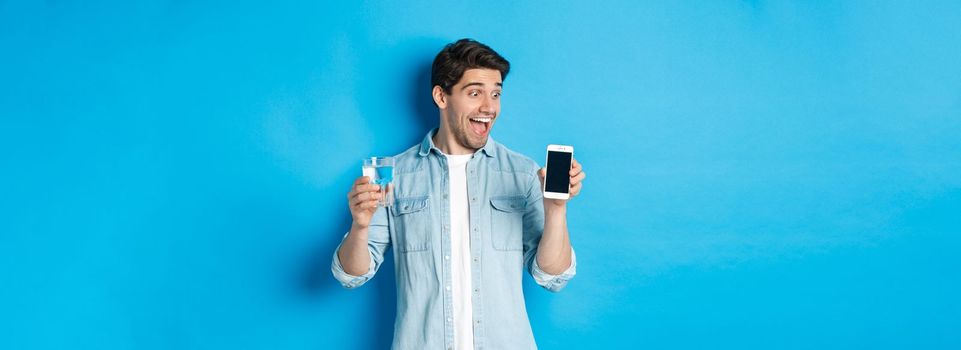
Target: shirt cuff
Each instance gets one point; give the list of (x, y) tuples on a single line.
[(551, 282), (347, 280)]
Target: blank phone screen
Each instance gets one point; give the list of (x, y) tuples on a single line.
[(558, 172)]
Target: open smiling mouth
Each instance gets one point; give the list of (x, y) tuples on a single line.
[(481, 126)]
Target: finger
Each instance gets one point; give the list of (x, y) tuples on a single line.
[(578, 178), (365, 196), (575, 189), (542, 172), (362, 188), (362, 180), (575, 167), (358, 185), (357, 200), (367, 204)]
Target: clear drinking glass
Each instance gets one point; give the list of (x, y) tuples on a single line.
[(381, 172)]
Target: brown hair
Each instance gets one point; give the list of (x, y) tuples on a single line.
[(459, 56)]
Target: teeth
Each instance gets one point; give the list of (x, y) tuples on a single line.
[(482, 120)]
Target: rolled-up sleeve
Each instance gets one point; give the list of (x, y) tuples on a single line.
[(347, 280), (378, 241), (551, 282)]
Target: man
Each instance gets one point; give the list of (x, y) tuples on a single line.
[(469, 216)]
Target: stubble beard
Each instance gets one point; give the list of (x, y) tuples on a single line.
[(468, 140)]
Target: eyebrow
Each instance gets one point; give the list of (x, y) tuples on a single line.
[(479, 84)]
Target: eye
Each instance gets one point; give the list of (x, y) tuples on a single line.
[(473, 93), (496, 94)]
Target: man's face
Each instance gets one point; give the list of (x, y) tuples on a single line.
[(472, 107)]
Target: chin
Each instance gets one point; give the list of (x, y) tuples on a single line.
[(474, 143)]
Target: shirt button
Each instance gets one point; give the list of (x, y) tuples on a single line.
[(448, 319), (474, 199), (445, 196), (475, 260), (448, 287), (475, 229), (476, 290), (446, 257)]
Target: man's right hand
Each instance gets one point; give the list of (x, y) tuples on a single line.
[(362, 200)]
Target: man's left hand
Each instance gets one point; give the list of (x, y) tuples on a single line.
[(577, 178)]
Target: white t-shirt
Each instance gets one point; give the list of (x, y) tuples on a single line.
[(460, 266)]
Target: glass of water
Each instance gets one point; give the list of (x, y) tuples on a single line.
[(381, 172)]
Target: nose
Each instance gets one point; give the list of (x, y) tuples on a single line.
[(488, 106)]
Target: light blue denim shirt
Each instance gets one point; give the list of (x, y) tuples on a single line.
[(506, 224)]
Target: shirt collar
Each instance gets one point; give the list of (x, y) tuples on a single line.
[(427, 145)]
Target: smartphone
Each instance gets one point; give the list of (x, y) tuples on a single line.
[(557, 183)]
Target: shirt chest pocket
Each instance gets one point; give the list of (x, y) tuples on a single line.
[(412, 222), (507, 222)]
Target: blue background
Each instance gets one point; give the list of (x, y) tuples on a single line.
[(761, 174)]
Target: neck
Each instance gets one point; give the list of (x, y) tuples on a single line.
[(447, 143)]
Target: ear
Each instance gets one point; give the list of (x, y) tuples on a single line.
[(440, 97)]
